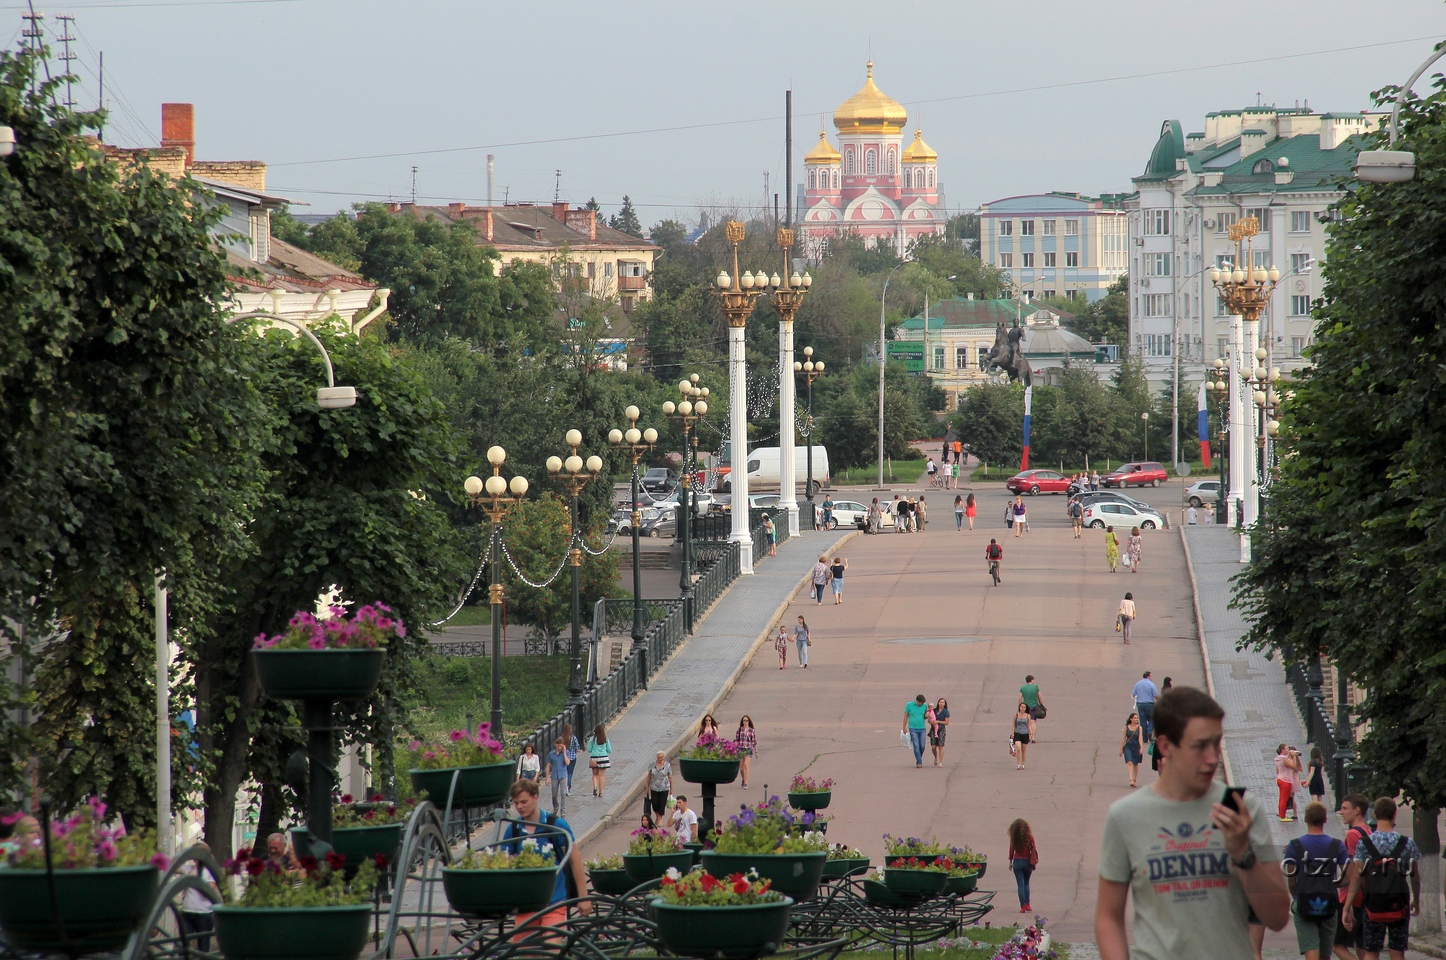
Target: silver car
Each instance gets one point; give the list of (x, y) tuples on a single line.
[(1109, 513), (1202, 492)]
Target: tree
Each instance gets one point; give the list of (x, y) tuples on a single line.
[(990, 422), (627, 219), (536, 534), (1352, 523), (1106, 320)]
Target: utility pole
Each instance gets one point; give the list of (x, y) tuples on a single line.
[(414, 186), (67, 57)]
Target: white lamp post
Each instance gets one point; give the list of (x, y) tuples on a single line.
[(1394, 166)]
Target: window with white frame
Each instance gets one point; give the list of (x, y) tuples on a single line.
[(608, 269), (1157, 344), (871, 162), (931, 177), (849, 161), (1221, 308), (1157, 264), (1048, 229), (835, 179), (1026, 228), (1297, 346), (1072, 294), (1028, 259), (1048, 294), (813, 179), (1300, 221), (1049, 259), (1299, 262), (1225, 221), (1300, 305), (1006, 228), (1157, 304), (1261, 258), (1222, 347), (1071, 228), (1006, 260), (983, 356), (1262, 214), (1071, 259), (961, 358), (889, 164), (1157, 223), (938, 358)]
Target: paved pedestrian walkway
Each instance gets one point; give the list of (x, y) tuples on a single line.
[(692, 682)]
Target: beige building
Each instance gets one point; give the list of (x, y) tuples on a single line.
[(616, 265)]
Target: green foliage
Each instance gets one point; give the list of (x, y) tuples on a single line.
[(1106, 320), (322, 885), (990, 421), (847, 409), (537, 537), (527, 858), (534, 689), (627, 219), (654, 842), (1352, 527)]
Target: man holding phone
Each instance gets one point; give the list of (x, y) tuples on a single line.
[(1192, 853)]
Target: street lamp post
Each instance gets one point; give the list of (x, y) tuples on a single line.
[(575, 473), (688, 410), (810, 369), (883, 362), (492, 497), (1145, 419), (736, 295), (634, 443), (786, 291), (1220, 390)]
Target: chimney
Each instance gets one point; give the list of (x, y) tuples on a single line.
[(487, 225), (559, 211), (456, 210), (584, 221), (178, 128), (394, 207)]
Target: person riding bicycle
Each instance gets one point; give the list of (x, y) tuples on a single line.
[(933, 471), (994, 553)]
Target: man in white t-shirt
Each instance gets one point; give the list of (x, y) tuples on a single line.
[(685, 821), (1195, 867)]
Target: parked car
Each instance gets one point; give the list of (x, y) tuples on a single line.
[(658, 480), (622, 519), (1038, 481), (1143, 473), (1109, 513), (1099, 496), (1202, 492), (846, 513), (665, 524)]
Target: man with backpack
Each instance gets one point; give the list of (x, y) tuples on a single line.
[(571, 879), (1076, 516), (1352, 813), (1315, 864), (1382, 864)]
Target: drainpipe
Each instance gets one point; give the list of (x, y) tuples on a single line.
[(383, 294)]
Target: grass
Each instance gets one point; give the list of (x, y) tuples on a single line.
[(895, 471), (534, 689), (478, 616), (994, 936)]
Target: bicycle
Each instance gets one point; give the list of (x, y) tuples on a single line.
[(994, 571)]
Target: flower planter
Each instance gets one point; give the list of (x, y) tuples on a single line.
[(644, 867), (708, 771), (697, 850), (921, 857), (981, 866), (845, 867), (496, 893), (799, 827), (292, 933), (796, 875), (733, 933), (816, 800), (357, 844), (959, 886), (99, 907), (610, 883), (476, 786), (879, 895), (319, 674), (914, 883)]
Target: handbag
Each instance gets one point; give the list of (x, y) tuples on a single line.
[(1013, 748), (1119, 622), (592, 762), (1040, 712)]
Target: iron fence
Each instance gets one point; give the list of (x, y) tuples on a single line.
[(1336, 741)]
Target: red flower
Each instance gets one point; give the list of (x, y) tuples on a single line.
[(708, 883), (254, 867), (376, 798), (668, 881), (381, 861), (244, 853), (346, 798), (741, 886), (308, 863), (335, 860)]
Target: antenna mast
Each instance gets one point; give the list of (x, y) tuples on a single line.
[(557, 187), (414, 186)]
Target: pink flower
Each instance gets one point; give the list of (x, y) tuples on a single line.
[(457, 735), (317, 643), (106, 849), (160, 861), (415, 745)]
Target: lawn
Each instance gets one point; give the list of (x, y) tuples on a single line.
[(534, 689), (478, 616), (993, 936), (895, 471)]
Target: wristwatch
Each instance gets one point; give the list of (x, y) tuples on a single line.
[(1247, 861)]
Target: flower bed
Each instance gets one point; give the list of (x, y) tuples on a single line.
[(916, 847), (805, 793), (739, 916), (759, 838), (321, 912), (495, 882), (338, 658), (483, 771), (711, 759)]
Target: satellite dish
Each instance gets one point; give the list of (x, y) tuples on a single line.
[(1182, 469)]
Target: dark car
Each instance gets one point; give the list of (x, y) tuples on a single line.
[(1142, 473), (1038, 481), (665, 524), (1114, 496), (658, 480)]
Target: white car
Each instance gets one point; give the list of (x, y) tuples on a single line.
[(846, 513), (1202, 492), (1108, 513)]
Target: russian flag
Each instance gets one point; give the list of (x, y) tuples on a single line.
[(1028, 398), (1203, 420)]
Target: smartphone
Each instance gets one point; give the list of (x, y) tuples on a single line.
[(1232, 798)]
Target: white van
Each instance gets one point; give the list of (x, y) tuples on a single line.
[(763, 468)]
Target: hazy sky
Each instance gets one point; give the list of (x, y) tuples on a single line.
[(680, 104)]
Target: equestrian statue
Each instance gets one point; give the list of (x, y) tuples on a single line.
[(1008, 353)]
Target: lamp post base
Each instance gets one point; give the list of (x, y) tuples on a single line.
[(790, 508), (1244, 547), (745, 553)]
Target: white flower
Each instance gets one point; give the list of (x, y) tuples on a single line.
[(529, 845), (672, 873)]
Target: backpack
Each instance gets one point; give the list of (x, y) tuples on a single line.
[(994, 551), (1075, 510), (1315, 879), (1388, 897), (561, 843)]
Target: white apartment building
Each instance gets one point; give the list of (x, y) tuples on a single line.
[(1280, 165), (1056, 244)]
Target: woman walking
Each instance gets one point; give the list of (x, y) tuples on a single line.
[(970, 509), (921, 514), (1287, 765), (1134, 548), (660, 785), (1021, 517), (771, 532), (819, 579), (800, 637), (1008, 515), (708, 726), (1317, 775), (599, 758), (1131, 747), (836, 572), (747, 740), (780, 643), (1127, 615), (941, 730), (1023, 858), (1023, 734), (958, 512), (529, 765), (1112, 549)]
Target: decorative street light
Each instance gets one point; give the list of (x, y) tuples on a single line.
[(736, 295), (1220, 390), (786, 291), (574, 474), (811, 370), (1145, 418), (1395, 166), (687, 410), (492, 497), (634, 443), (7, 141), (1246, 291)]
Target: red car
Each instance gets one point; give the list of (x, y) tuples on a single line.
[(1038, 481), (1141, 474)]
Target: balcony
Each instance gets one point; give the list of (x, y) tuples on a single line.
[(632, 283)]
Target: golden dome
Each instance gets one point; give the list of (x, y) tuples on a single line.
[(919, 151), (870, 111), (823, 151)]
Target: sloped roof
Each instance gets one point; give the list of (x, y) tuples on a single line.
[(517, 227), (1169, 148), (291, 269), (1051, 340), (1311, 167)]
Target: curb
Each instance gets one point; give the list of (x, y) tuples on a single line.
[(1204, 648), (633, 794)]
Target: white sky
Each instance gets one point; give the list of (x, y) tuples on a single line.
[(299, 83)]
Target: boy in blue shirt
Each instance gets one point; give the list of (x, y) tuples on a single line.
[(556, 771)]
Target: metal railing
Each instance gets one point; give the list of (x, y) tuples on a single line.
[(720, 567), (1336, 741)]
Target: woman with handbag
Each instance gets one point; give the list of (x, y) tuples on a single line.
[(1023, 858), (1125, 616), (1131, 746), (599, 758), (1023, 734)]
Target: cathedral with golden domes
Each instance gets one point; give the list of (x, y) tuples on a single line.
[(871, 184)]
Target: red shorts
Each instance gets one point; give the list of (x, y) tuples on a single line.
[(527, 923)]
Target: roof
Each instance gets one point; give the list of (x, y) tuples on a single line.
[(1169, 148), (1050, 339), (919, 151), (870, 110), (253, 198), (963, 312), (822, 152), (1311, 168), (292, 269), (519, 227)]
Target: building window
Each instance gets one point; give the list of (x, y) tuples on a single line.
[(984, 356), (931, 177), (813, 179), (1006, 260), (871, 162), (1072, 294), (1297, 346), (1157, 264), (608, 269), (591, 269), (908, 179), (1224, 222), (1048, 294), (1261, 259), (938, 358), (1006, 228), (849, 161), (1157, 223), (1157, 304), (1071, 228), (1300, 221), (1222, 347), (1221, 310), (1048, 227), (1028, 260), (1262, 214), (1026, 228), (1300, 306), (889, 169), (1071, 259), (835, 179), (1157, 344), (1049, 258), (961, 358), (1299, 262)]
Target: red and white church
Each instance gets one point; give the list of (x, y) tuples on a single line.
[(871, 185)]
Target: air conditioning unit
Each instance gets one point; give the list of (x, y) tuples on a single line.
[(1139, 241), (1209, 224)]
